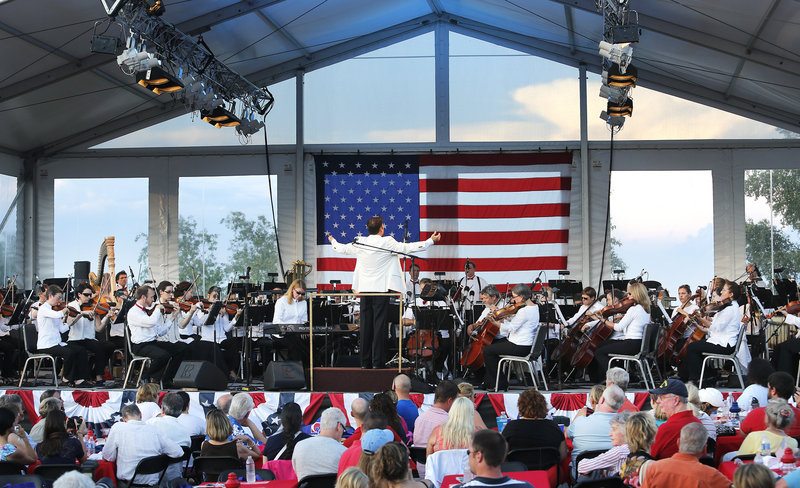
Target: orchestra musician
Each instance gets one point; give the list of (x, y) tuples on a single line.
[(213, 336), (176, 320), (290, 308), (121, 279), (146, 325), (589, 306), (83, 329), (688, 306), (409, 318), (412, 285), (722, 332), (50, 325), (519, 329), (471, 286), (631, 326), (9, 346)]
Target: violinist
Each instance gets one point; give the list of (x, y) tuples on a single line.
[(146, 323), (50, 325), (42, 294), (178, 321), (722, 332), (520, 329), (413, 288), (631, 326), (785, 353), (83, 328), (9, 345), (212, 337)]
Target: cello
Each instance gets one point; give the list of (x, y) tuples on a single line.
[(600, 333), (484, 334), (698, 332), (675, 331), (569, 347)]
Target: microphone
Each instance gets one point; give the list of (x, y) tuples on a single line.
[(132, 277), (355, 240)]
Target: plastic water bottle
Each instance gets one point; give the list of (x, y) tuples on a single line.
[(502, 420), (250, 470), (89, 443), (735, 414), (753, 404), (766, 449)]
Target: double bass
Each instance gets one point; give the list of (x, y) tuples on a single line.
[(668, 342), (698, 332), (600, 333), (484, 334)]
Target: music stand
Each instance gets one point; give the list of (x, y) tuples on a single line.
[(566, 288), (123, 311), (20, 312), (615, 284), (786, 291), (64, 283)]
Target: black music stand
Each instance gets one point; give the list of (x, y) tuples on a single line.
[(211, 320), (615, 284), (786, 291), (64, 283), (123, 311), (20, 312), (566, 288), (428, 319)]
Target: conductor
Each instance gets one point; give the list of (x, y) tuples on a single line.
[(377, 271)]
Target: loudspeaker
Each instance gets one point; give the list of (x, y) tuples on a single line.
[(284, 375), (80, 271), (202, 375)]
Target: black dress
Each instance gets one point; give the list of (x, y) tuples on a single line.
[(525, 433), (208, 449)]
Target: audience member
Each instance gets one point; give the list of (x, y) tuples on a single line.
[(695, 405), (466, 390), (610, 462), (390, 468), (320, 454), (58, 447), (485, 456), (219, 442), (710, 400), (49, 394), (352, 477), (620, 377), (759, 476), (383, 403), (778, 416), (358, 410), (224, 402), (758, 372), (683, 469), (147, 401), (457, 431), (443, 399), (193, 424), (590, 433), (8, 450), (532, 429), (47, 406), (239, 415), (13, 402), (779, 385), (132, 440), (350, 457), (73, 479), (406, 408), (672, 397), (640, 432), (371, 442), (168, 424), (280, 445)]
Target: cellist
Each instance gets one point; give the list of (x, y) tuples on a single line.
[(632, 326), (688, 306), (520, 330), (490, 296), (589, 305)]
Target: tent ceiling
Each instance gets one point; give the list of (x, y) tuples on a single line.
[(738, 55)]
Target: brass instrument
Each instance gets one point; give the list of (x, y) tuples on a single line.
[(298, 271), (106, 254)]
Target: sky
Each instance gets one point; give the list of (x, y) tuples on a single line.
[(497, 94)]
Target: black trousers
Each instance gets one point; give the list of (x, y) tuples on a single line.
[(102, 352), (160, 353), (785, 356), (9, 346), (689, 369), (599, 366), (76, 367), (209, 351), (373, 331), (491, 358)]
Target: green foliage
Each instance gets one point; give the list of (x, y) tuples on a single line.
[(252, 243), (757, 249), (197, 249), (785, 192), (616, 260)]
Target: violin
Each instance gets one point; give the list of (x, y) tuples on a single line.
[(59, 306), (484, 334), (699, 332), (600, 333), (569, 346), (791, 308), (232, 308), (6, 311)]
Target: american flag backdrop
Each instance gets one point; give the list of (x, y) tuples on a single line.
[(507, 213)]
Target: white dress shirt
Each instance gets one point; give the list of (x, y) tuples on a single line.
[(177, 433), (193, 424), (145, 328), (521, 328), (633, 322), (173, 322), (148, 410), (50, 325), (379, 271), (690, 308), (290, 313), (130, 442), (83, 328), (725, 326), (222, 325), (475, 284)]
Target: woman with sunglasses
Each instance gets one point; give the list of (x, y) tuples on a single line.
[(292, 308)]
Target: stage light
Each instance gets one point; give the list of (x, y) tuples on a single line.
[(616, 77), (613, 93), (624, 108), (614, 122), (159, 81), (620, 54), (220, 117)]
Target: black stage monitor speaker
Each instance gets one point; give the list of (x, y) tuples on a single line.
[(202, 375), (284, 375)]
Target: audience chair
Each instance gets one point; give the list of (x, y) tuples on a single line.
[(20, 479), (318, 481), (443, 463), (216, 464), (30, 336), (151, 465), (610, 482), (11, 468), (51, 472), (512, 466), (737, 366), (264, 474), (533, 362), (537, 458), (585, 455), (645, 358)]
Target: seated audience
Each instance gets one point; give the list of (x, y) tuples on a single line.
[(466, 390), (8, 450), (280, 445), (132, 440), (350, 457), (13, 402), (778, 416), (371, 442), (383, 403), (358, 410), (672, 397), (612, 460), (620, 377), (320, 454), (239, 415), (58, 447), (147, 401), (710, 400), (758, 372), (47, 406), (683, 469), (457, 431), (590, 433), (759, 476), (443, 399), (390, 468), (352, 477), (168, 424), (779, 385), (695, 405), (75, 479), (406, 408), (485, 456), (194, 424), (222, 442), (640, 432), (532, 429)]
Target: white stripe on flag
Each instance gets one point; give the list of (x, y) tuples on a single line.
[(479, 198), (499, 251), (447, 172), (493, 225)]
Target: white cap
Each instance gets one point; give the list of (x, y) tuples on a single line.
[(712, 396)]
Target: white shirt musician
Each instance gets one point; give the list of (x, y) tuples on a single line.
[(50, 324), (292, 308), (470, 286), (684, 296), (413, 287)]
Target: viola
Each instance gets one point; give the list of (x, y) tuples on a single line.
[(484, 334), (669, 341), (600, 333), (59, 306), (232, 308), (7, 310), (792, 308)]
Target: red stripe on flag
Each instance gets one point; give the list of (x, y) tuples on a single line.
[(457, 264), (493, 211), (506, 238), (494, 184), (507, 159)]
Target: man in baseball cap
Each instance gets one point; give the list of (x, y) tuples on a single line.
[(672, 397)]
